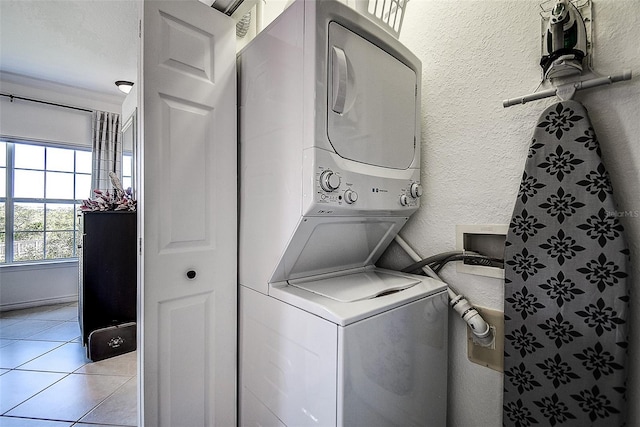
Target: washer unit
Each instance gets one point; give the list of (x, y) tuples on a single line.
[(327, 352), (329, 126)]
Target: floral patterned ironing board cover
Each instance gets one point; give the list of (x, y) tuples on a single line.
[(566, 296)]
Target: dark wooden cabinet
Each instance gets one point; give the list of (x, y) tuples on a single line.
[(107, 270)]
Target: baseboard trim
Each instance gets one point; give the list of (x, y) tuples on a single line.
[(37, 303)]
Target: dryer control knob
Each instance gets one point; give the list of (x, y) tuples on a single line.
[(329, 181), (404, 200), (416, 190), (350, 196)]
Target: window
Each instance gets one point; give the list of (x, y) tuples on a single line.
[(127, 170), (41, 188)]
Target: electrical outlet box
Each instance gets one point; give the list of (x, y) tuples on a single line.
[(492, 357), (488, 240)]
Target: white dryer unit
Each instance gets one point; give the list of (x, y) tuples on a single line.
[(329, 130)]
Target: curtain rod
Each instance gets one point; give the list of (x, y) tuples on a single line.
[(12, 97)]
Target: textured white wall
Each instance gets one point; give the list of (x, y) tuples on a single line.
[(474, 55), (30, 285)]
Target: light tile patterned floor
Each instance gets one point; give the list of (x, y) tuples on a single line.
[(47, 381)]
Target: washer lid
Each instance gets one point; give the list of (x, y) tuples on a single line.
[(357, 286)]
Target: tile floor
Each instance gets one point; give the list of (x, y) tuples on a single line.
[(46, 380)]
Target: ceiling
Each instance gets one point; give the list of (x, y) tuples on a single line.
[(87, 44)]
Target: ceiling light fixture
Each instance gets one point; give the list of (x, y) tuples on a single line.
[(124, 85)]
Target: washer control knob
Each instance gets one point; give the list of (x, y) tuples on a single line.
[(350, 196), (329, 181), (416, 190), (404, 200)]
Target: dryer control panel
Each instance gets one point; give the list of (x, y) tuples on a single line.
[(344, 187)]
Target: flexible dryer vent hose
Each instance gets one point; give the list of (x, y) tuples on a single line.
[(479, 327)]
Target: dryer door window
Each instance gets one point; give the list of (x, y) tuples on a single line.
[(371, 102)]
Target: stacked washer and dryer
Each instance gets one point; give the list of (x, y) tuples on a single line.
[(329, 113)]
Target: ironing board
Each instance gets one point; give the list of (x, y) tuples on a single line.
[(566, 296)]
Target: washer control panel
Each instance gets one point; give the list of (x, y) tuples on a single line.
[(342, 189)]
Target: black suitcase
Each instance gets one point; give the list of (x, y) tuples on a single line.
[(111, 341)]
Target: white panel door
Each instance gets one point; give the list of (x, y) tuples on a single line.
[(188, 211)]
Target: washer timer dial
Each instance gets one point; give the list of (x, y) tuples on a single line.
[(329, 181)]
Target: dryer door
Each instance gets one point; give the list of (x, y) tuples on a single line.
[(371, 102)]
